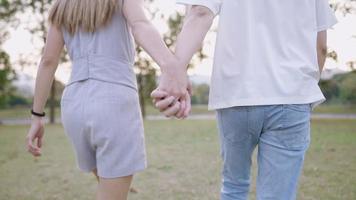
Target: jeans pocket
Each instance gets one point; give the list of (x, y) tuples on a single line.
[(298, 107), (295, 126), (233, 124)]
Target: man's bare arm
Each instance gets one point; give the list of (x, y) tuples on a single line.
[(197, 23), (322, 49)]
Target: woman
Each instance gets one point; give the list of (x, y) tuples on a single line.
[(99, 106)]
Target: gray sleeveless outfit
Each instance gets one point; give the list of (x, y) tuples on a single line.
[(100, 109)]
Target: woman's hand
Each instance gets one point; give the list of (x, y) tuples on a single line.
[(35, 136)]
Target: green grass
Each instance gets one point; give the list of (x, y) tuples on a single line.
[(196, 110), (184, 164), (337, 109), (21, 112)]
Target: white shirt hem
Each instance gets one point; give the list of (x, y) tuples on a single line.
[(314, 100)]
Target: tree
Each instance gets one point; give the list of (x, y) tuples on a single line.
[(7, 74), (346, 7), (38, 10), (145, 71), (348, 88), (330, 89), (175, 23), (146, 78), (144, 66), (201, 94)]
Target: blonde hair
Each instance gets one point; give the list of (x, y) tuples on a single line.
[(87, 14)]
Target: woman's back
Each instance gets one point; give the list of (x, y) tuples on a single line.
[(106, 54)]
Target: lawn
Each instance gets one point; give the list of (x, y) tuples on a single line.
[(21, 112), (184, 164)]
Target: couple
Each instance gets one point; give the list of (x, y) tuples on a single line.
[(268, 59)]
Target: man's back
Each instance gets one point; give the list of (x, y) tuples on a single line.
[(266, 51)]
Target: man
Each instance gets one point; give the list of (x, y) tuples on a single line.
[(268, 59)]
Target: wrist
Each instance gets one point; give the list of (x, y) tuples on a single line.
[(38, 114), (168, 64), (173, 65), (37, 119)]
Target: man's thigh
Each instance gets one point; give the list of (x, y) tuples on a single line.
[(282, 146), (238, 128)]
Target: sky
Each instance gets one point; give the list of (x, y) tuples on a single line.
[(342, 39)]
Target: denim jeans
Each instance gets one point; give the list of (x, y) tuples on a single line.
[(282, 134)]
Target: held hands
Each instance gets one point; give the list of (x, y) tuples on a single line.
[(172, 97), (170, 106)]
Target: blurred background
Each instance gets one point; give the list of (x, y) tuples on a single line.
[(184, 160)]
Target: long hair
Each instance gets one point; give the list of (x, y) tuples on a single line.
[(87, 14)]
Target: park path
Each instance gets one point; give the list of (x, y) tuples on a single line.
[(212, 116), (24, 121)]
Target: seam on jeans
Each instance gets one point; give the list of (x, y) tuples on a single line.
[(222, 124), (290, 107), (248, 121), (311, 107), (283, 125), (263, 122), (221, 136)]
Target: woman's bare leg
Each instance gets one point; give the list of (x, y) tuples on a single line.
[(113, 188), (95, 172)]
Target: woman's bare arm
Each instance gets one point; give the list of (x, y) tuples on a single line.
[(47, 68), (44, 80), (174, 79)]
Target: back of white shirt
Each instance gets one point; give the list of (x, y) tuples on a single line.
[(266, 51)]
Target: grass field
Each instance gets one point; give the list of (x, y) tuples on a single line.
[(196, 109), (184, 164)]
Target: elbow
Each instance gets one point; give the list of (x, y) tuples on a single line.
[(48, 62), (139, 26), (202, 14), (323, 50)]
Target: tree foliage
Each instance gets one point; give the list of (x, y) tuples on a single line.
[(7, 74), (200, 94), (37, 25), (340, 89), (348, 88)]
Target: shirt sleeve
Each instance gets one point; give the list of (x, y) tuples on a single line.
[(325, 17), (213, 5)]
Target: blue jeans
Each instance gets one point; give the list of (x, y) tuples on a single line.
[(282, 133)]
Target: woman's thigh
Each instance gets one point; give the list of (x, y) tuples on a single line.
[(114, 188)]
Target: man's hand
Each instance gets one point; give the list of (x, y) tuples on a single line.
[(168, 105), (34, 136)]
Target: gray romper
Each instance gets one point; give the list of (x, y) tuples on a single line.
[(100, 109)]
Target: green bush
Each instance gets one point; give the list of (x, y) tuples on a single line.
[(348, 88)]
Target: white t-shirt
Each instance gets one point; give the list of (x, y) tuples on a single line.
[(265, 51)]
